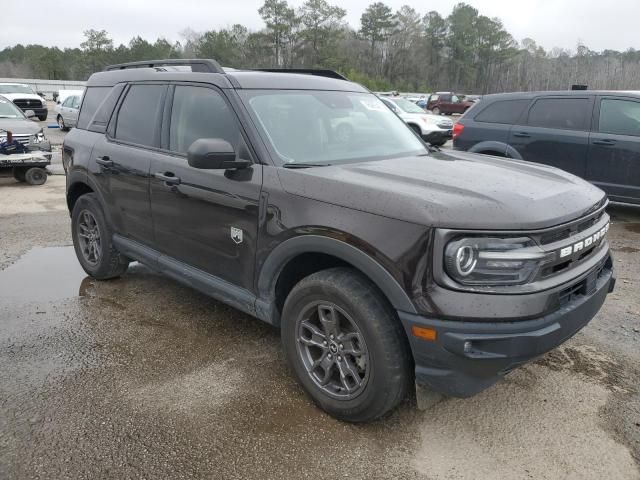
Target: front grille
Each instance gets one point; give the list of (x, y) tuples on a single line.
[(27, 103), (584, 287), (23, 139)]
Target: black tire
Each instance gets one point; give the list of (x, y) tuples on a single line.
[(35, 176), (436, 111), (61, 123), (387, 372), (19, 173), (42, 118), (108, 262)]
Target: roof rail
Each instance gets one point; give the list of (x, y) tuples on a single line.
[(197, 64), (307, 71)]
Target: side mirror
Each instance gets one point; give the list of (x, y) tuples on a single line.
[(30, 113), (214, 154)]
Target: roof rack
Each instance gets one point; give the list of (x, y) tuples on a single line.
[(306, 71), (197, 64)]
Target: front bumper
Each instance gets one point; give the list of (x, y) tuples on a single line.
[(470, 356), (437, 136)]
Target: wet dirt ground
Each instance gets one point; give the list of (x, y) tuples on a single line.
[(143, 378)]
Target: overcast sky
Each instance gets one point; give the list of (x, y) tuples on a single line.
[(552, 23)]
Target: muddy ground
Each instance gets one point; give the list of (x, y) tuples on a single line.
[(143, 378)]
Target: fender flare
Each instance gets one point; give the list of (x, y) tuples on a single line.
[(79, 175), (287, 250), (495, 146)]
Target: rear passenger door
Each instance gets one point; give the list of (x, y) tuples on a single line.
[(555, 131), (614, 148), (207, 219), (123, 157)]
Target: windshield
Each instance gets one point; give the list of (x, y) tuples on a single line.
[(15, 89), (327, 127), (9, 110), (407, 106)]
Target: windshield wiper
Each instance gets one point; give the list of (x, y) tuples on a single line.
[(305, 165)]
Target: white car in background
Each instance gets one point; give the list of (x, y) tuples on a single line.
[(25, 98), (67, 112), (433, 129)]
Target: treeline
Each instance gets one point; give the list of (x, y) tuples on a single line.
[(404, 50)]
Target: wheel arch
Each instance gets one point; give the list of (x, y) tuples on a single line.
[(495, 146), (298, 257)]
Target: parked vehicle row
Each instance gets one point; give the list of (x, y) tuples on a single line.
[(433, 129), (592, 134)]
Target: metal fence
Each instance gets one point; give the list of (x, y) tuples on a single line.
[(48, 87)]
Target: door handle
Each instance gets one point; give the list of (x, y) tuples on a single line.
[(168, 178), (104, 161), (521, 134), (605, 141)]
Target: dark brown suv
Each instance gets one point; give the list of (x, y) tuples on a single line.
[(382, 262), (447, 103)]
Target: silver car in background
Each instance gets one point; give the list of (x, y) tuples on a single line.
[(67, 112)]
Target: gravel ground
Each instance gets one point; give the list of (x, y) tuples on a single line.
[(142, 378)]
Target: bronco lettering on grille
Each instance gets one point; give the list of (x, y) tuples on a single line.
[(584, 243)]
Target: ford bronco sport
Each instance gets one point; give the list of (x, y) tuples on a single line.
[(380, 261)]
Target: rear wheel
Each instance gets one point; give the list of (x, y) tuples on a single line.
[(35, 176), (19, 173), (345, 345), (61, 124), (92, 240), (436, 111)]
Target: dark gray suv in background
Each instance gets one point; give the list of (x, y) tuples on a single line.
[(592, 134), (380, 261)]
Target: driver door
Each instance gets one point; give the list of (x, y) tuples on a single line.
[(207, 219)]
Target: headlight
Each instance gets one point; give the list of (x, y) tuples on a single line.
[(39, 137), (493, 261)]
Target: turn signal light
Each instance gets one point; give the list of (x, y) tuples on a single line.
[(457, 130), (424, 333)]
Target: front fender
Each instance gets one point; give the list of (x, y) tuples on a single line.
[(289, 249)]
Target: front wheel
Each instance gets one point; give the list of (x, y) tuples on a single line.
[(345, 345), (42, 118), (61, 124), (92, 240)]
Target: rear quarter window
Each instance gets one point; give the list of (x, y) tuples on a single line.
[(503, 111), (93, 97)]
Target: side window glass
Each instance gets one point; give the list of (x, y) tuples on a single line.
[(199, 112), (434, 98), (563, 113), (455, 99), (93, 97), (505, 111), (445, 98), (138, 115), (67, 102), (621, 117)]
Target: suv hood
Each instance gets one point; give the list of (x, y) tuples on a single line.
[(30, 96), (19, 126), (451, 190)]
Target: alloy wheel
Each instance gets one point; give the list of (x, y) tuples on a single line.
[(89, 237), (333, 350)]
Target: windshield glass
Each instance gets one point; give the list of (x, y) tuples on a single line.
[(327, 127), (15, 89), (407, 106), (9, 110)]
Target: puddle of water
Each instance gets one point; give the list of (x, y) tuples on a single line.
[(44, 274)]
